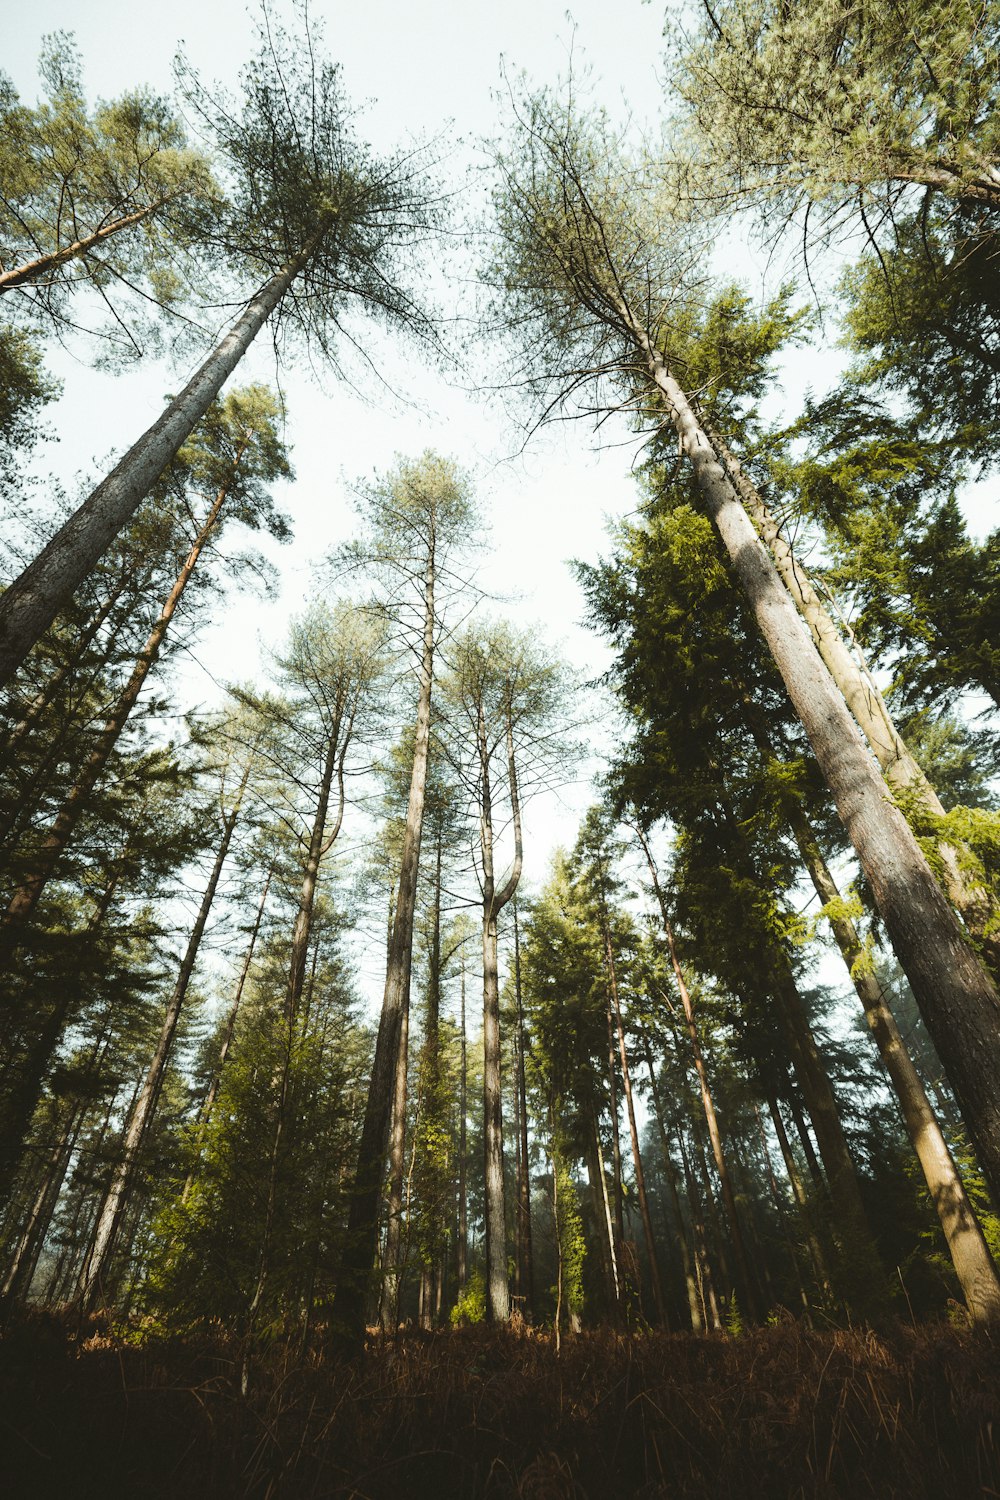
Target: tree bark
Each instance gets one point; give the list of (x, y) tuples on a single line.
[(609, 1242), (497, 1286), (24, 900), (526, 1264), (32, 602), (970, 1256), (866, 703), (747, 1289), (640, 1179), (695, 1310), (463, 1107), (392, 1260), (34, 270), (208, 1103), (958, 1001)]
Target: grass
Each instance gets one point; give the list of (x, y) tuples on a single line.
[(778, 1412)]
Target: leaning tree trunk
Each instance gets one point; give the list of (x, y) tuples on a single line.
[(361, 1241), (973, 1264), (957, 999), (862, 696), (26, 898), (43, 265), (34, 599), (143, 1109)]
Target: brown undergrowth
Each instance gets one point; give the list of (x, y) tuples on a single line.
[(778, 1412)]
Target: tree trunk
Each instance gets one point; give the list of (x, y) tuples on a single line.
[(640, 1179), (972, 1261), (24, 900), (50, 687), (706, 1226), (861, 1276), (34, 270), (392, 1260), (463, 1109), (695, 1310), (361, 1241), (144, 1107), (321, 841), (816, 1254), (23, 1079), (497, 1286), (608, 1239), (208, 1103), (32, 602), (747, 1290), (862, 696), (958, 1001), (526, 1265), (616, 1145)]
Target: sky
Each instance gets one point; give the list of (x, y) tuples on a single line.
[(434, 71)]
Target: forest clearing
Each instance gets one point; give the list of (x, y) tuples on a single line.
[(499, 804)]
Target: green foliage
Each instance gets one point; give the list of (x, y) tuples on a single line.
[(68, 172), (470, 1308), (297, 175), (923, 319), (572, 1244), (843, 105), (24, 389)]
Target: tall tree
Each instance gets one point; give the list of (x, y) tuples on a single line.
[(417, 519), (506, 700), (104, 198), (315, 226), (591, 281), (235, 456)]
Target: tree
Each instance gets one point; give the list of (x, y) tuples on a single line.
[(115, 1203), (235, 456), (507, 700), (845, 106), (686, 656), (589, 279), (316, 225), (105, 199), (417, 520)]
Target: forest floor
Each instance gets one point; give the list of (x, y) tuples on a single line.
[(776, 1412)]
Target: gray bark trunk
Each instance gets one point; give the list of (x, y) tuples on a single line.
[(973, 1264), (866, 703), (32, 602), (957, 999)]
